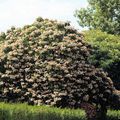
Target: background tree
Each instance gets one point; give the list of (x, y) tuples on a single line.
[(105, 53), (101, 14)]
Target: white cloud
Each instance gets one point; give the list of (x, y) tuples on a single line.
[(21, 12)]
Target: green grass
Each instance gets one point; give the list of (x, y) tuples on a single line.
[(26, 112), (113, 115)]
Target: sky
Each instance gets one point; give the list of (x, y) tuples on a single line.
[(21, 12)]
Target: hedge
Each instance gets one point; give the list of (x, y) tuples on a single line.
[(27, 112), (106, 53)]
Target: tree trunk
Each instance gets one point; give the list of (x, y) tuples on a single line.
[(101, 114)]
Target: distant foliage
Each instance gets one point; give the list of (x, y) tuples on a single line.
[(101, 14), (106, 53)]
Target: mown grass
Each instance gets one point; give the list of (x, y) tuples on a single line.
[(26, 112)]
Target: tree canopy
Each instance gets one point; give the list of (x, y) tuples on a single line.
[(105, 53), (101, 14)]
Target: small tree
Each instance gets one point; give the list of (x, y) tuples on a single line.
[(101, 14)]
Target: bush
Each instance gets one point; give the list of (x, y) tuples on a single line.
[(106, 53), (46, 63)]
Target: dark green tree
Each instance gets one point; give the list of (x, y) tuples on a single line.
[(101, 14)]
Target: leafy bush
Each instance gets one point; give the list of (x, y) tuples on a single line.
[(46, 63), (106, 53)]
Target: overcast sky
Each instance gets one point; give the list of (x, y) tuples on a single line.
[(21, 12)]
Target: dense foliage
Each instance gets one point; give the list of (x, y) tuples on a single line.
[(16, 112), (101, 14), (46, 63), (106, 53)]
